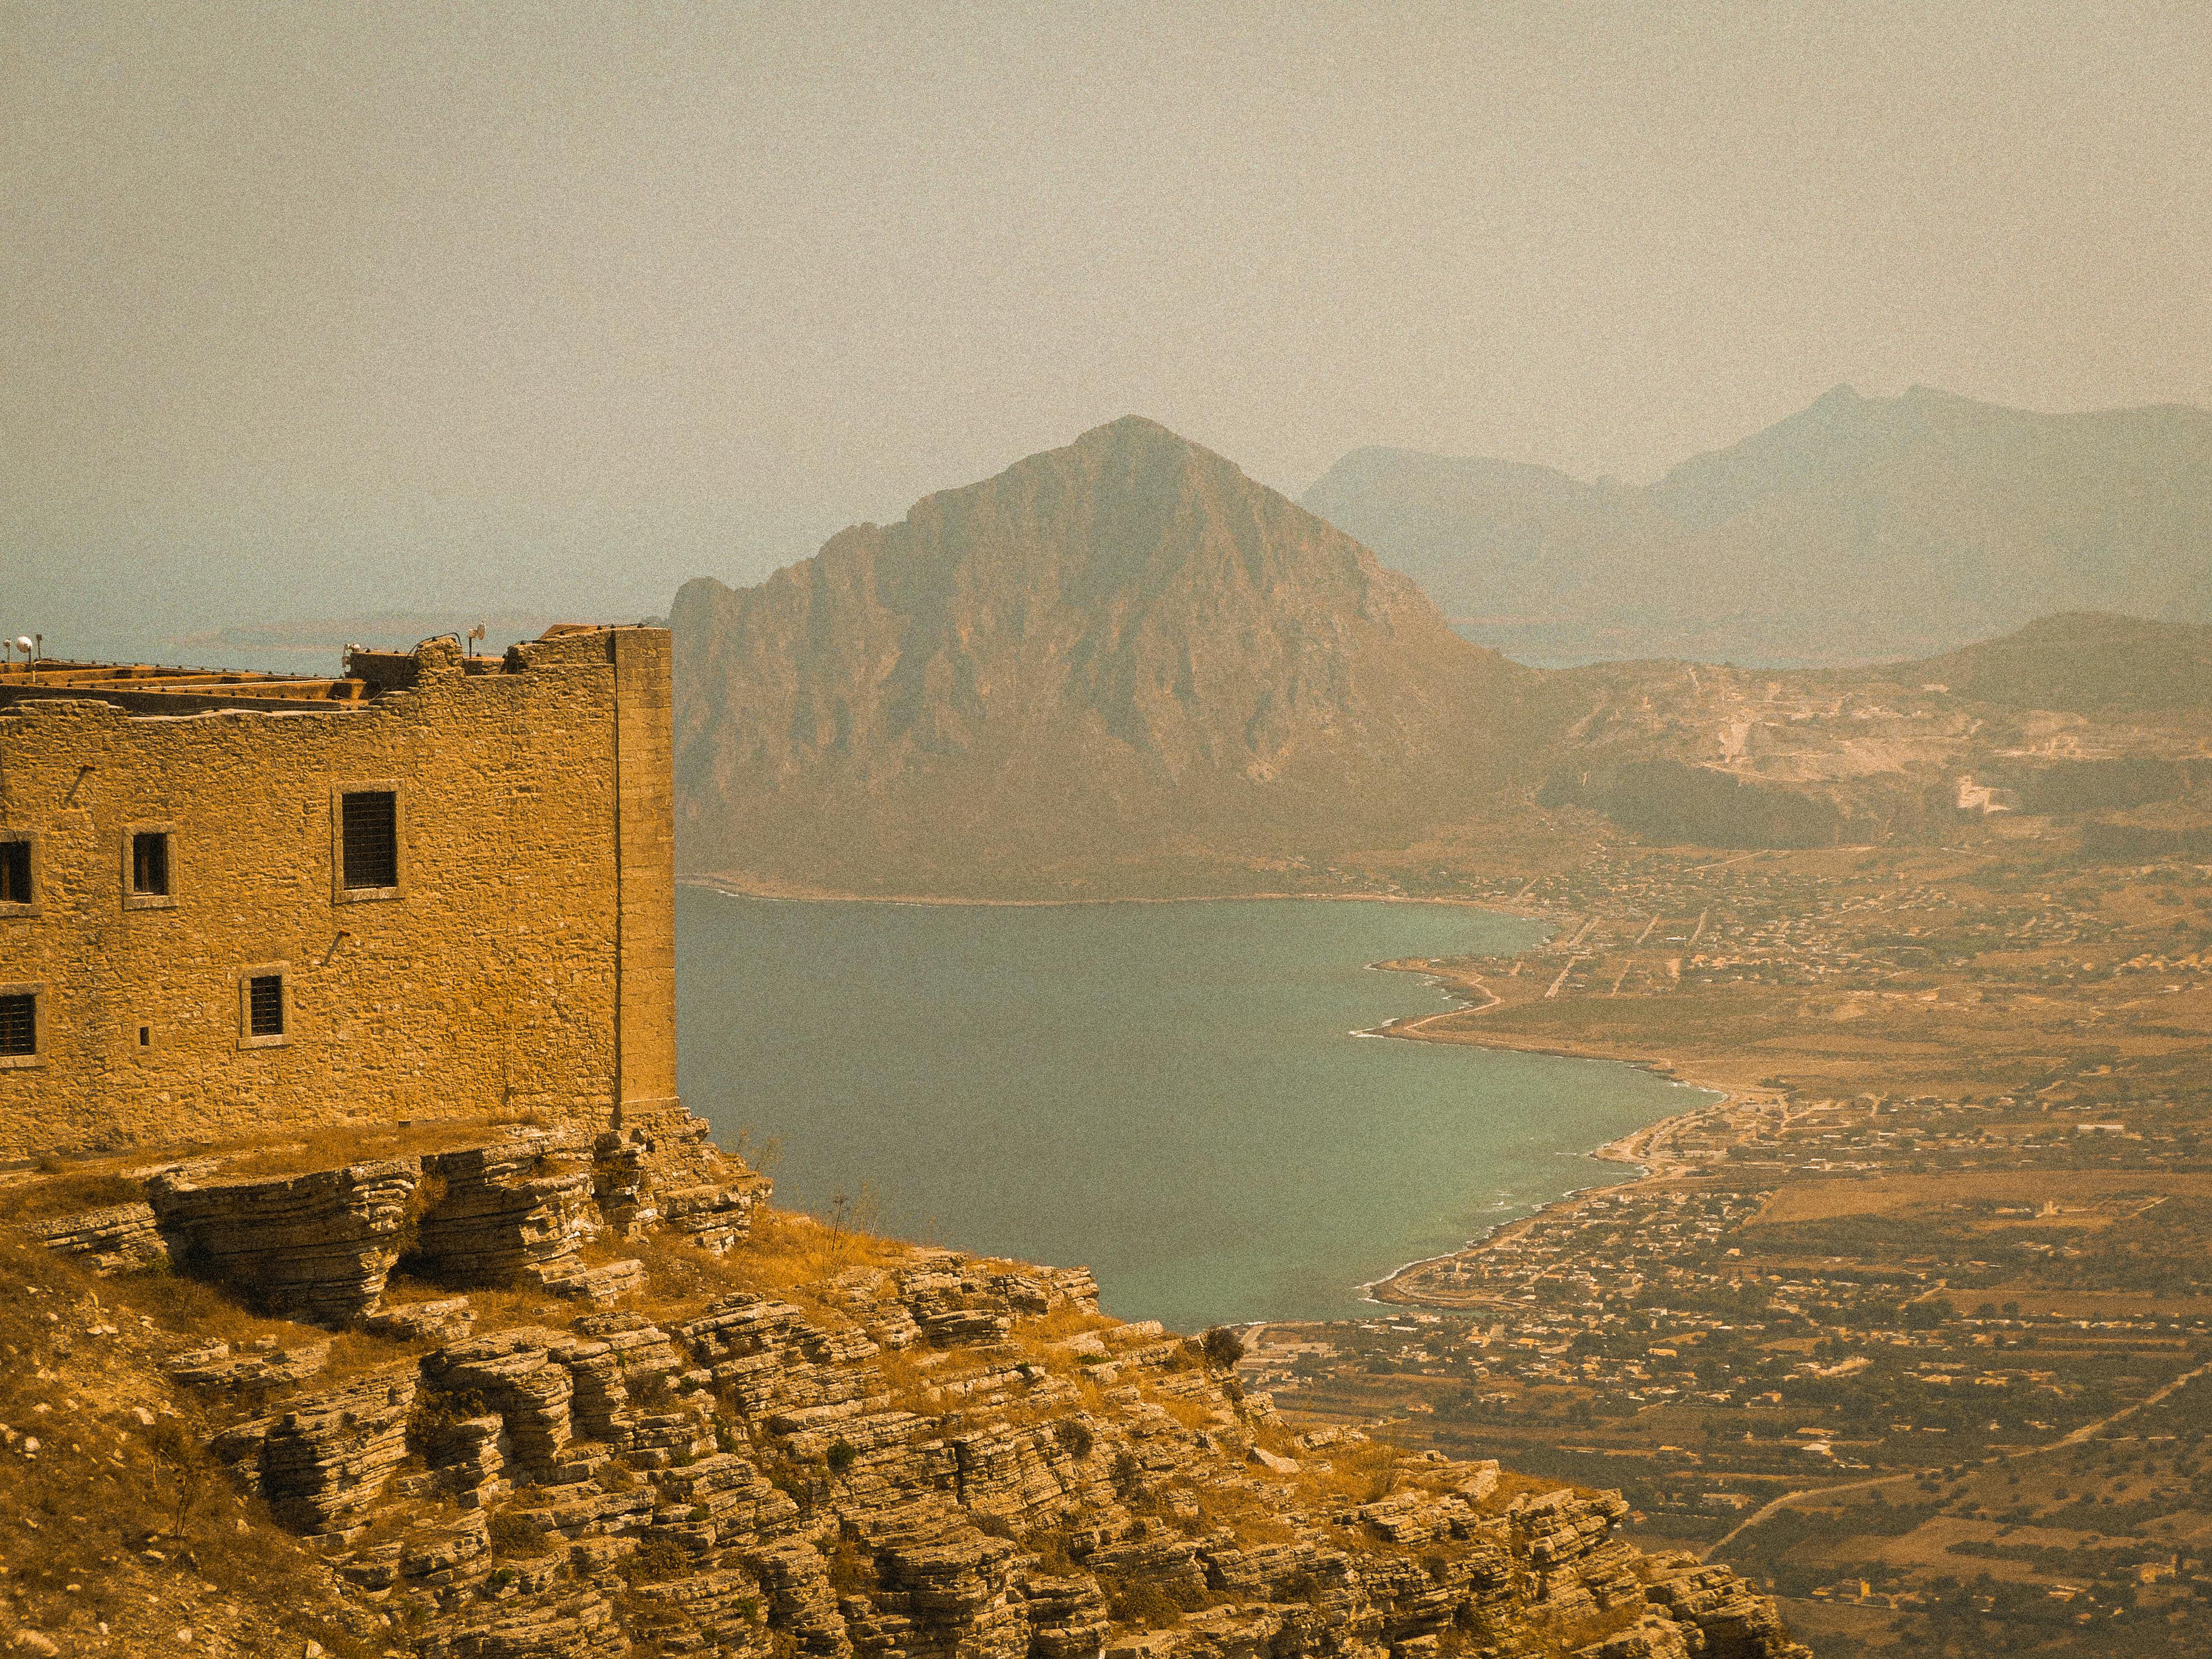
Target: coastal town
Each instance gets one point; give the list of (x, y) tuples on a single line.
[(1911, 1320)]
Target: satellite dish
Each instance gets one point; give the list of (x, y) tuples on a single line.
[(23, 643)]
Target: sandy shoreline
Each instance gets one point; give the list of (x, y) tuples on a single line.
[(730, 887)]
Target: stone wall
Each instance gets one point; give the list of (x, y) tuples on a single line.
[(525, 963)]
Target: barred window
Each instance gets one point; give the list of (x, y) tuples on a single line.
[(370, 822), (264, 1005), (19, 1024), (15, 872)]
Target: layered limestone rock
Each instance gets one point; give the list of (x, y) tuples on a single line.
[(319, 1246), (659, 1168), (326, 1458), (510, 1210), (444, 1319), (514, 1372), (216, 1371), (119, 1238), (908, 1535), (904, 1462)]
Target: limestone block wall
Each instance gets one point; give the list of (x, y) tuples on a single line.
[(526, 960)]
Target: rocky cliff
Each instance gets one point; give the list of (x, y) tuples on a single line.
[(774, 1438), (1122, 650)]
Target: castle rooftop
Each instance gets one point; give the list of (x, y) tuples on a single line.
[(151, 688)]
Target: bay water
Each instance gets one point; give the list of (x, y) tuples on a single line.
[(1176, 1095)]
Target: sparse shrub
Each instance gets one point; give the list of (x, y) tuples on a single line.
[(849, 1571), (1128, 1476), (517, 1534), (1050, 1545), (182, 1467), (655, 1560), (1222, 1348), (840, 1456), (1073, 1437), (1144, 1605)]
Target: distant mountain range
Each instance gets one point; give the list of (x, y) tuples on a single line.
[(1124, 667), (1121, 653), (1861, 529)]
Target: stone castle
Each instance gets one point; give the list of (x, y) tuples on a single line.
[(440, 885)]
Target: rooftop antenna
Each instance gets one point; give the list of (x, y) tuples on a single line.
[(475, 634), (28, 644)]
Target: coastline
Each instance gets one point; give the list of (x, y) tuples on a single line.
[(730, 887), (1628, 1149), (1646, 1150)]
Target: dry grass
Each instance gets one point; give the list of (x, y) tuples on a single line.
[(306, 1151), (71, 1194), (104, 1487), (1357, 1474)]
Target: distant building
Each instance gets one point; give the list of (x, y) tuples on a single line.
[(1985, 799), (436, 886)]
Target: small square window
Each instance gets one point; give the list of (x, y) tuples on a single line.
[(16, 872), (149, 863), (369, 838), (264, 1005), (19, 1025)]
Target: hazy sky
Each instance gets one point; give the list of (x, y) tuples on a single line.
[(319, 309)]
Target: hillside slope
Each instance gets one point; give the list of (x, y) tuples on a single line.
[(2084, 663), (1121, 651), (1859, 528), (787, 1439)]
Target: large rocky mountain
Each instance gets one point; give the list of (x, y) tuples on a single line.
[(1860, 529), (1124, 654)]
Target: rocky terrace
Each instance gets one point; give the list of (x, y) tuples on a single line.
[(519, 1395)]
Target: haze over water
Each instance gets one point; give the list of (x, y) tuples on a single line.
[(1170, 1093)]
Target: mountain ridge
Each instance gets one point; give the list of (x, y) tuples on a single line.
[(1857, 529)]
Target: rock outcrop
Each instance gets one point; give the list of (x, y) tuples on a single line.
[(521, 1207), (518, 1209), (319, 1246), (928, 1456), (116, 1238)]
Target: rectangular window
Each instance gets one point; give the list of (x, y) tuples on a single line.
[(19, 1024), (264, 1005), (15, 872), (149, 863), (369, 826)]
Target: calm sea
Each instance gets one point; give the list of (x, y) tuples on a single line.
[(1173, 1094)]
